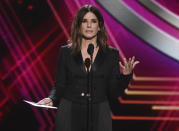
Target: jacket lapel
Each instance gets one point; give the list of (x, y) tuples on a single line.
[(79, 60), (99, 59)]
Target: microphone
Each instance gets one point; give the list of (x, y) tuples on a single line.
[(87, 62), (90, 49)]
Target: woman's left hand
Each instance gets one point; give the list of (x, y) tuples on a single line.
[(128, 66)]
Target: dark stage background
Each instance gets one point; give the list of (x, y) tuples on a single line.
[(32, 31)]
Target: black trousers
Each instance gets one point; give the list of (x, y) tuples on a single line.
[(73, 117)]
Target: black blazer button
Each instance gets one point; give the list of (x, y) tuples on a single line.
[(82, 94)]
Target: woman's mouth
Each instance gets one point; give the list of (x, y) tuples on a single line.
[(89, 31)]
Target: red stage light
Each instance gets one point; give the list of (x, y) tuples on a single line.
[(30, 7)]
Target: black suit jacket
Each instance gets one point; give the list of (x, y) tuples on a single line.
[(71, 76)]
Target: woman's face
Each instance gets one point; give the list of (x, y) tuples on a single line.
[(89, 26)]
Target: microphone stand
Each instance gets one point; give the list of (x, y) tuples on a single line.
[(89, 95), (87, 64)]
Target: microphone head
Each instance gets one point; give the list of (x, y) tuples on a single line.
[(90, 49)]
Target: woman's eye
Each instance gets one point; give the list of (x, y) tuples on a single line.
[(83, 21), (94, 21)]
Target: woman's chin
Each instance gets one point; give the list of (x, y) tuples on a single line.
[(89, 37)]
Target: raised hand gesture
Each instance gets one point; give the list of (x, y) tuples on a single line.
[(128, 65)]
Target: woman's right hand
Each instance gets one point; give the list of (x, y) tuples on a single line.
[(46, 101)]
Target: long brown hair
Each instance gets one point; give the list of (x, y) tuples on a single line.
[(76, 36)]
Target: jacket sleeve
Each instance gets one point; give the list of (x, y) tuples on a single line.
[(60, 80), (117, 82)]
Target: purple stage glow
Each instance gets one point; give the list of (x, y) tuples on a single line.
[(30, 41)]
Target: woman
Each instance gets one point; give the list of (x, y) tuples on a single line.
[(71, 78)]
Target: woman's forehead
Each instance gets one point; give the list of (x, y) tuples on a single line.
[(90, 15)]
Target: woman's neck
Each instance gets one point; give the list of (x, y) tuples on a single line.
[(86, 42)]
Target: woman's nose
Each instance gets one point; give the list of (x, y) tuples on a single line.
[(89, 24)]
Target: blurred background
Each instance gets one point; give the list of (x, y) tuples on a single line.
[(32, 31)]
